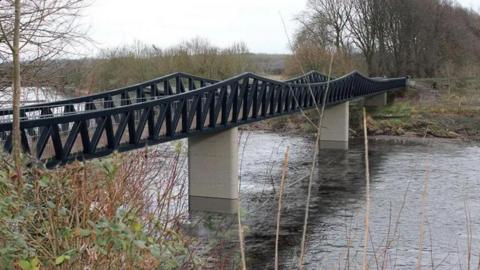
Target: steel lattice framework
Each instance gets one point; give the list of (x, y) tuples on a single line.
[(172, 107)]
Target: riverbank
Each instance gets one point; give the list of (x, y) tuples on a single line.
[(434, 108)]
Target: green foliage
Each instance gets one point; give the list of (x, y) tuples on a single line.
[(33, 264), (400, 109)]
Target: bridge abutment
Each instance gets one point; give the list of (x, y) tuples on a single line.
[(335, 127), (213, 172), (379, 100)]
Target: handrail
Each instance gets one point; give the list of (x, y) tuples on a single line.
[(310, 77), (110, 93)]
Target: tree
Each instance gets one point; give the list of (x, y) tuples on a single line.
[(396, 38), (326, 21), (364, 29), (32, 32)]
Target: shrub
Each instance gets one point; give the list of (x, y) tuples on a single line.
[(112, 213)]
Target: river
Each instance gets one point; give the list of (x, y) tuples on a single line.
[(29, 95), (399, 171)]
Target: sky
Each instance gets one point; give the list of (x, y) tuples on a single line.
[(165, 23)]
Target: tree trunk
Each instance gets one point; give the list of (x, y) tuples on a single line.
[(16, 149), (370, 64)]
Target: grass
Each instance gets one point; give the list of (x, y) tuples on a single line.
[(434, 108)]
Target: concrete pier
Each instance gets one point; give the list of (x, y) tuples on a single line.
[(335, 127), (379, 100), (213, 172)]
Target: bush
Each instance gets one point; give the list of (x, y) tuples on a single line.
[(94, 215)]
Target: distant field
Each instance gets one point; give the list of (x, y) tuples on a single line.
[(269, 63)]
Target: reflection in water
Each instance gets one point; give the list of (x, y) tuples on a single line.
[(336, 212)]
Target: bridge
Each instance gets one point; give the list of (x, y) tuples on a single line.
[(180, 105)]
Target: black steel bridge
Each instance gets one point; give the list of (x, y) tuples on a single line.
[(172, 107)]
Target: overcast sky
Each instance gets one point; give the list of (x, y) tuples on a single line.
[(167, 22)]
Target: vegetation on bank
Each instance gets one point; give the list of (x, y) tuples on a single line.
[(115, 213), (443, 108)]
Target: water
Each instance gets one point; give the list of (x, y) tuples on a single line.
[(29, 96), (336, 225)]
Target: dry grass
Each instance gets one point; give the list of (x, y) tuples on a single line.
[(279, 210), (367, 195), (449, 108)]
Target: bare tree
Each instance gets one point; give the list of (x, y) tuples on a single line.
[(408, 37), (32, 32), (364, 29), (326, 21)]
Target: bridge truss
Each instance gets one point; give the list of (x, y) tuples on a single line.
[(172, 107)]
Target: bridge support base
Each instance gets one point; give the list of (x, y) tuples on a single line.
[(213, 172), (379, 100), (335, 127)]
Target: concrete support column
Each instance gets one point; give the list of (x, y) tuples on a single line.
[(376, 100), (213, 172), (335, 127)]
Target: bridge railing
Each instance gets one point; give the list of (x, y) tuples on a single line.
[(153, 89), (310, 77), (242, 99)]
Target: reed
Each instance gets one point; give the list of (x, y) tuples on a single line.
[(367, 194), (279, 210)]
